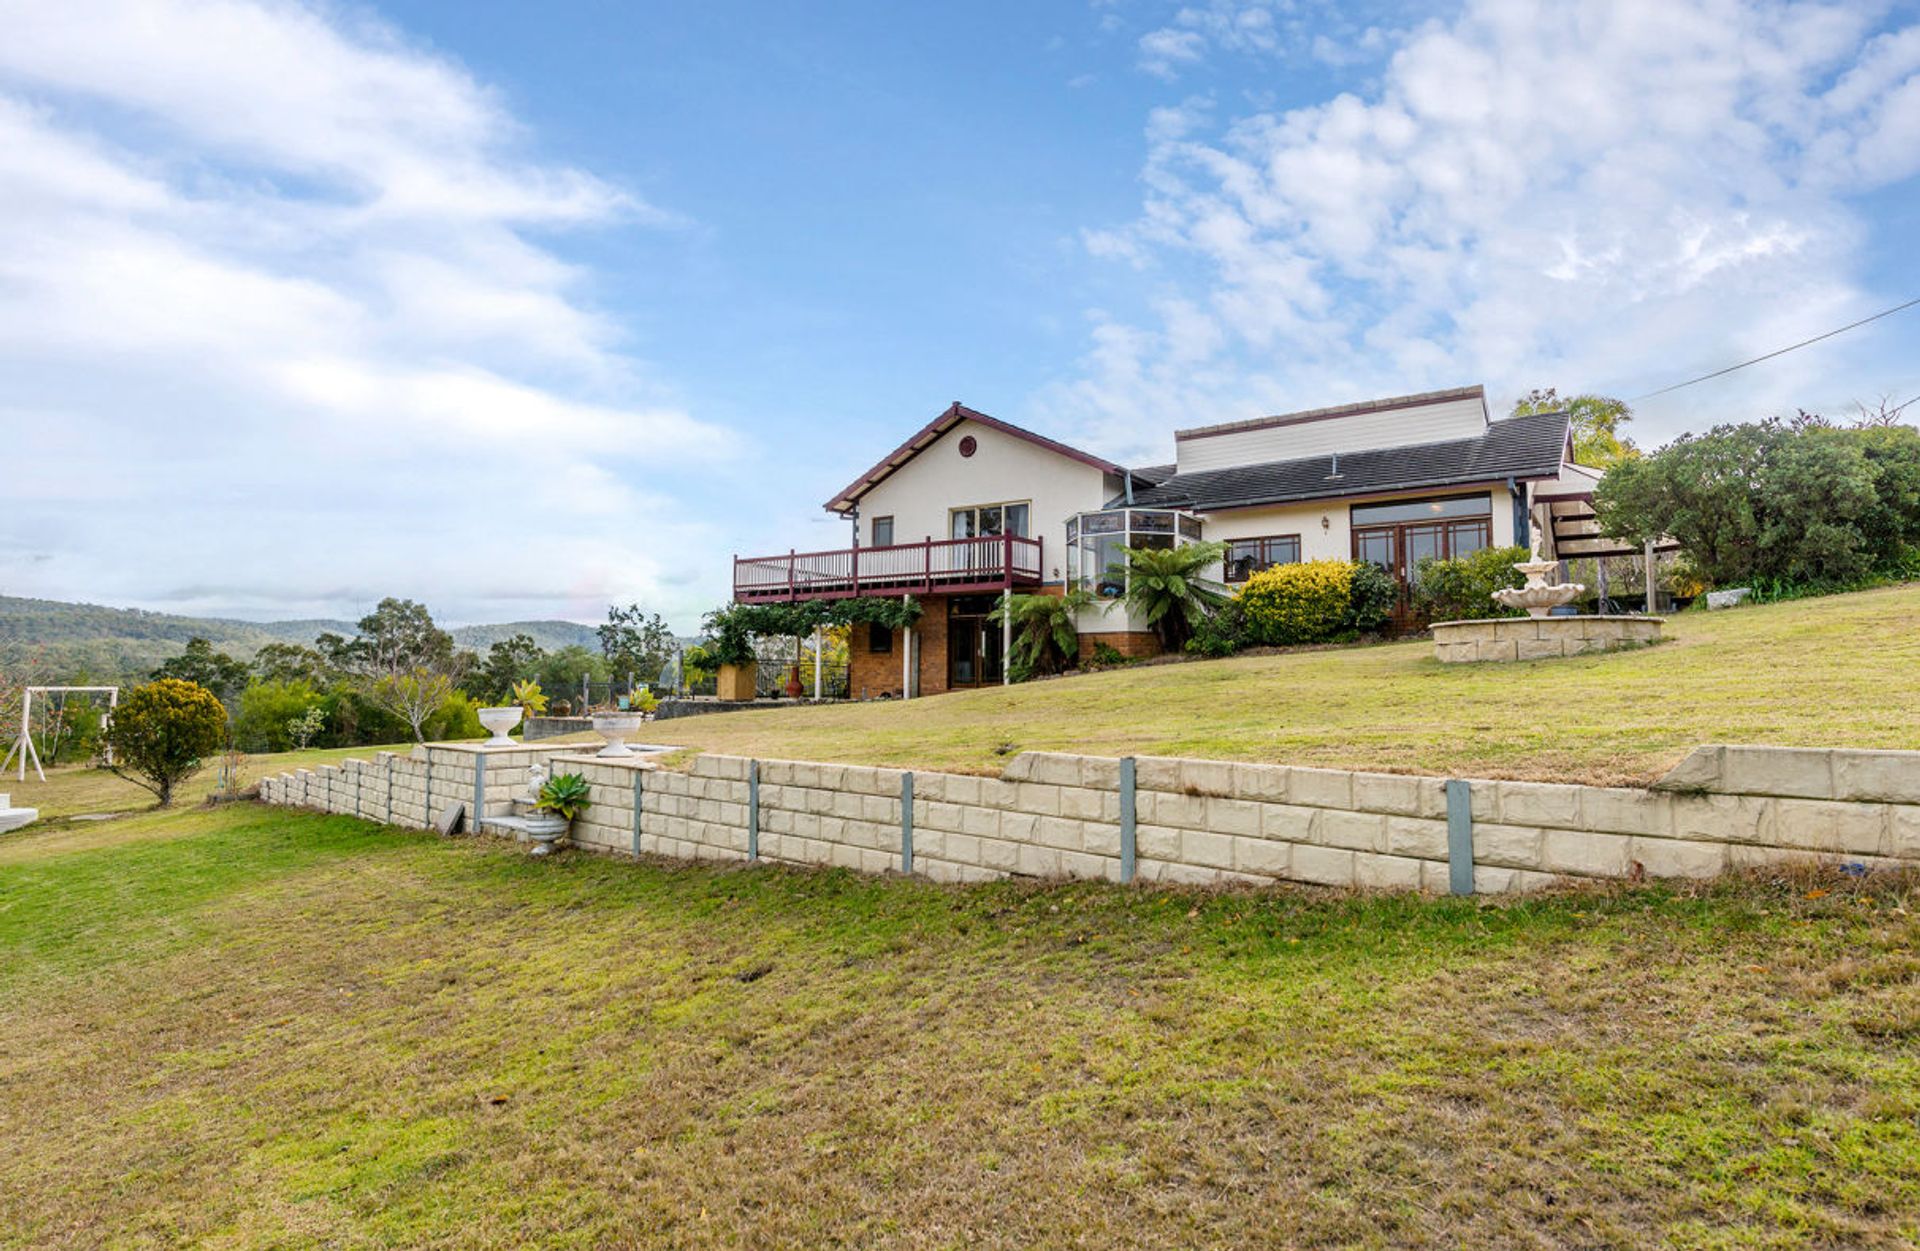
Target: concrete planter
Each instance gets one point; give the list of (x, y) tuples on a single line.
[(545, 829), (615, 727), (736, 682)]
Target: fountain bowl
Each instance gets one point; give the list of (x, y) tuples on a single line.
[(1539, 597), (499, 721), (615, 727)]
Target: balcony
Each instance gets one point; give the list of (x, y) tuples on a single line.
[(931, 567)]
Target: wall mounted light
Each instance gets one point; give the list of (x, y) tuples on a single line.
[(1326, 523)]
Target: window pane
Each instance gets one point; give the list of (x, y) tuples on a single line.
[(1377, 547), (1468, 537), (883, 532), (879, 639), (1423, 543), (1152, 522), (963, 523), (1017, 521), (1284, 551), (1102, 523), (990, 520), (1423, 510)]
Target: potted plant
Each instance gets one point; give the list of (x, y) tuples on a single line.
[(731, 645), (560, 800)]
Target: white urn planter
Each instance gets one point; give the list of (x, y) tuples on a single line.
[(499, 721), (545, 829), (615, 727)]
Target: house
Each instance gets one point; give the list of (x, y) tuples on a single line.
[(969, 507)]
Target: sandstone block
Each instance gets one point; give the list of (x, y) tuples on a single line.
[(1262, 855), (1507, 846), (1325, 866), (1232, 816), (1417, 837), (1320, 788), (1266, 783), (1825, 825), (1213, 850), (1886, 776), (1679, 857), (1538, 803), (1585, 853), (1359, 831), (1385, 872)]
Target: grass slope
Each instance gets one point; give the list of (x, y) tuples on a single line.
[(243, 1027), (1843, 670)]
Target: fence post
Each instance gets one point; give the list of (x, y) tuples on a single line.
[(753, 810), (426, 793), (1459, 837), (906, 822), (1127, 821), (479, 791), (638, 791), (389, 788)]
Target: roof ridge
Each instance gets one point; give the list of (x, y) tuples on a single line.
[(1383, 404)]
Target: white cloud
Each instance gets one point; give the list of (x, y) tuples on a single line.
[(1614, 193), (275, 339)]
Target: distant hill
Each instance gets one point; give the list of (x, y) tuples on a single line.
[(126, 644)]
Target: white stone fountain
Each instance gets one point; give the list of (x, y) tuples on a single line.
[(1539, 596), (1540, 635)]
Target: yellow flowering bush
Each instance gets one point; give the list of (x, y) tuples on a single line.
[(1308, 602)]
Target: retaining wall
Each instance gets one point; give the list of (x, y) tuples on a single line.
[(1190, 821)]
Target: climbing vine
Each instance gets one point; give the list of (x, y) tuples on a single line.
[(731, 630)]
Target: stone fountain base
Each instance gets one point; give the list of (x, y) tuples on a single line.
[(1540, 638)]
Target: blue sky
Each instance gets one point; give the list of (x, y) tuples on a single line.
[(524, 309)]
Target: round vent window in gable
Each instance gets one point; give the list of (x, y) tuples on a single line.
[(968, 445)]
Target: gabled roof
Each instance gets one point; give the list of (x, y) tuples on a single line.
[(1392, 402), (1530, 447), (929, 434)]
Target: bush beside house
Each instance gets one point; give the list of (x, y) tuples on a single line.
[(1462, 589)]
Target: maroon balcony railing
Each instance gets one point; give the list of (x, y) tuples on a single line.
[(946, 566)]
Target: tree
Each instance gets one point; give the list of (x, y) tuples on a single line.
[(202, 666), (398, 637), (635, 643), (1596, 422), (1801, 501), (1046, 629), (163, 732), (290, 662), (267, 710), (509, 662), (1167, 588), (414, 696)]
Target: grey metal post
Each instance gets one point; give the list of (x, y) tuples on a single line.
[(1128, 823), (640, 789), (1653, 589), (1459, 837), (753, 810), (906, 822), (389, 788), (426, 795), (479, 792)]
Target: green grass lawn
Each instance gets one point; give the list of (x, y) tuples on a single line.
[(1843, 670), (243, 1027)]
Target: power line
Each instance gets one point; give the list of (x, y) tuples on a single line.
[(1782, 352)]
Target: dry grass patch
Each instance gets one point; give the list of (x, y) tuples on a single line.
[(245, 1027)]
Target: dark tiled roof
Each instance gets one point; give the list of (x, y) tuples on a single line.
[(1153, 475), (1517, 447)]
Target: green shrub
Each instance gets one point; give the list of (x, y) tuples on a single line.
[(1222, 633), (1374, 595), (163, 732), (1046, 631), (266, 711), (1462, 589), (1105, 656), (1306, 602)]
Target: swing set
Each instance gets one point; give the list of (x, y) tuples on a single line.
[(23, 746)]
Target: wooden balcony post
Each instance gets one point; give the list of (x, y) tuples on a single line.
[(793, 591), (926, 564), (855, 575), (1006, 559)]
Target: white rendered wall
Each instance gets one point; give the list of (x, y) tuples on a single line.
[(1426, 423), (1003, 469)]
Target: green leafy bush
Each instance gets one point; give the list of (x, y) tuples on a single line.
[(1046, 631), (1462, 589), (163, 732), (1222, 633), (1305, 602), (1373, 596)]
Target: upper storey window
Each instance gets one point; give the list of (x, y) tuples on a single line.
[(984, 520)]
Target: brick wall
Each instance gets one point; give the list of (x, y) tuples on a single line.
[(1196, 821), (1133, 644)]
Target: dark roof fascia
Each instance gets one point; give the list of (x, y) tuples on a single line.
[(845, 499)]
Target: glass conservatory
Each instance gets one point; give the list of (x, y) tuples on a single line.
[(1096, 542)]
